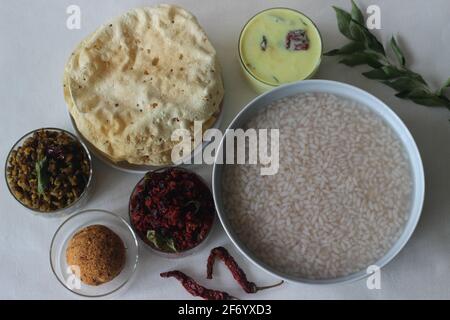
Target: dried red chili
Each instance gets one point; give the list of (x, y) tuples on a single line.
[(238, 274), (172, 210), (196, 289)]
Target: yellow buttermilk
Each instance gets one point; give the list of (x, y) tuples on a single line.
[(276, 65)]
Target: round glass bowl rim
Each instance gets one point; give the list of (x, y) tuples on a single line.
[(241, 60), (357, 94), (181, 253), (130, 229), (86, 188)]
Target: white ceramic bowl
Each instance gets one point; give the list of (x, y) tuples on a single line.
[(351, 93)]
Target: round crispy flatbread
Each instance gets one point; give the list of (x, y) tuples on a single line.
[(135, 80)]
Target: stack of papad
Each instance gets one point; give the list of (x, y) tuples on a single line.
[(135, 80)]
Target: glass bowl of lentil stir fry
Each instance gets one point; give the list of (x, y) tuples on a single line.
[(172, 211), (49, 172)]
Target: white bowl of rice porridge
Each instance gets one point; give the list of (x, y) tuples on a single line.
[(348, 192)]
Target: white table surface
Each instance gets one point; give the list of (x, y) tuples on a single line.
[(35, 44)]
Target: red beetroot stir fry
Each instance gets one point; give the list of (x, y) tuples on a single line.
[(172, 210)]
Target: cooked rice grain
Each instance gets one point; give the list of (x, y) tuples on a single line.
[(342, 194)]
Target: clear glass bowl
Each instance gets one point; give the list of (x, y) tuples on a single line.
[(165, 254), (260, 85), (74, 206), (61, 240)]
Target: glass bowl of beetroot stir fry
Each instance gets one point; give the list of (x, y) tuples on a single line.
[(172, 210)]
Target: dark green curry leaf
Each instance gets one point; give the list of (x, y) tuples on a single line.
[(377, 74), (432, 101), (347, 49), (390, 72), (384, 73), (366, 49), (334, 52), (343, 20), (398, 52), (42, 175), (444, 86), (360, 58), (424, 97), (357, 31), (356, 13), (372, 42), (404, 84)]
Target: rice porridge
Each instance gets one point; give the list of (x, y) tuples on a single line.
[(341, 197)]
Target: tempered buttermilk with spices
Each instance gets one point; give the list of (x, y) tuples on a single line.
[(172, 210)]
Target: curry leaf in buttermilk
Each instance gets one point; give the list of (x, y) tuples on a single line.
[(263, 43), (366, 49)]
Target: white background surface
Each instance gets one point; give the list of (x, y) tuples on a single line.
[(34, 49)]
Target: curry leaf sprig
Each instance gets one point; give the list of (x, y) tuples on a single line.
[(366, 49)]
